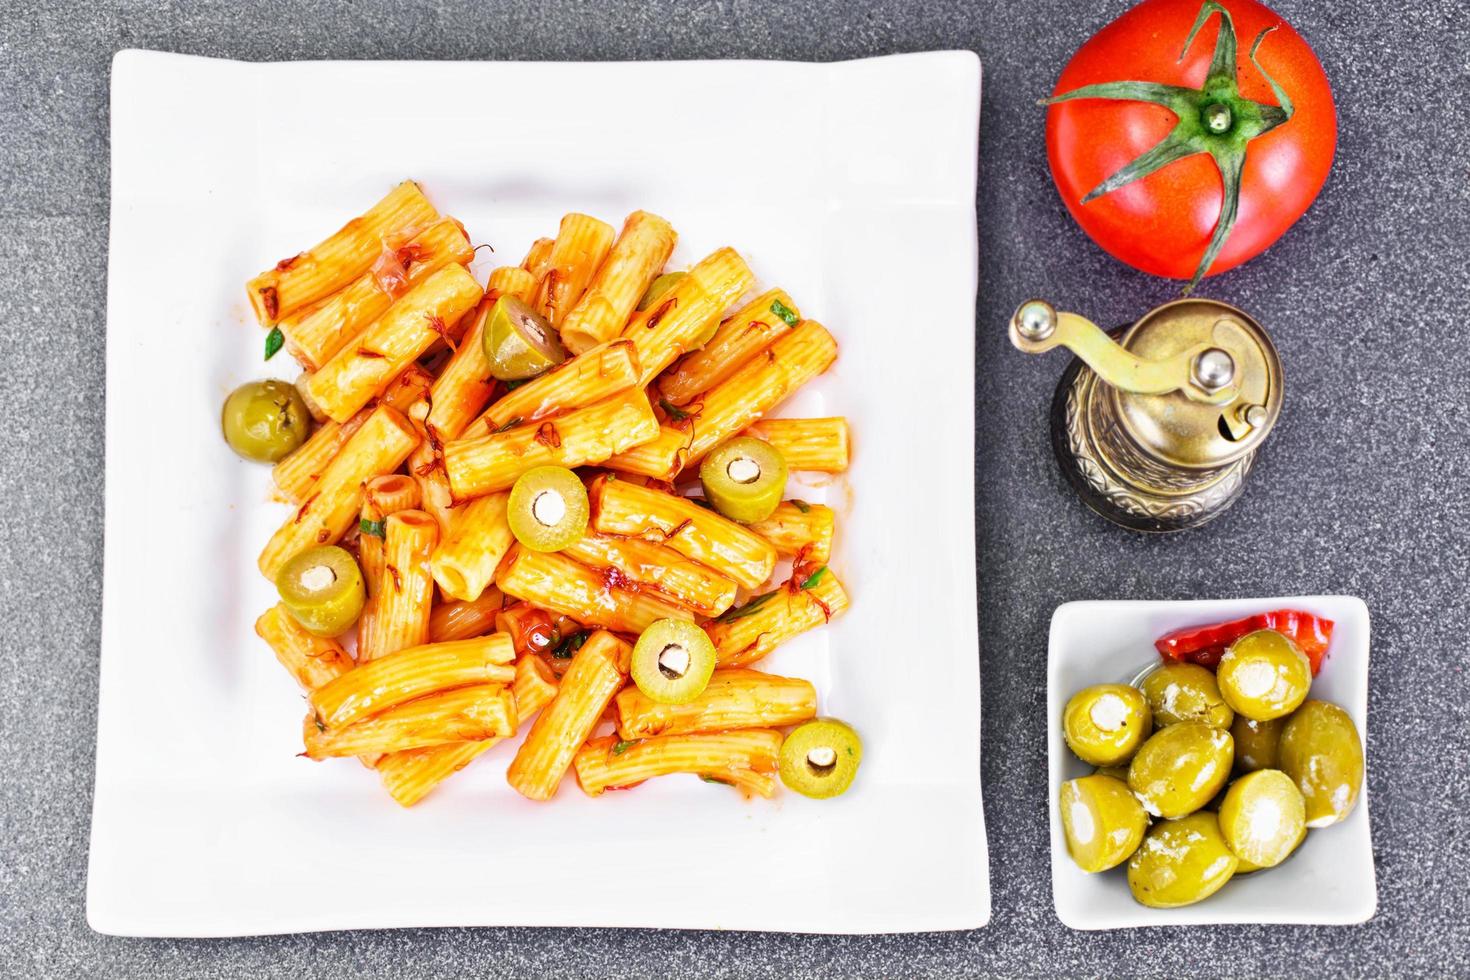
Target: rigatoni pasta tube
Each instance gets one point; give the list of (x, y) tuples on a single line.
[(331, 264), (511, 280), (405, 588), (661, 458), (398, 677), (673, 324), (538, 258), (426, 465), (311, 660), (393, 341), (464, 385), (576, 383), (801, 530), (746, 634), (382, 495), (479, 535), (410, 775), (752, 329), (734, 698), (295, 475), (608, 762), (688, 582), (465, 714), (760, 384), (313, 335), (460, 620), (581, 244), (484, 464), (557, 583), (380, 446), (820, 445), (563, 726), (636, 259), (619, 507)]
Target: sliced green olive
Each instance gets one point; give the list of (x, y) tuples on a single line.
[(1102, 821), (1323, 754), (548, 508), (1185, 692), (1264, 675), (519, 342), (1181, 862), (1263, 818), (1105, 724), (265, 420), (673, 661), (658, 288), (322, 589), (744, 479), (820, 758)]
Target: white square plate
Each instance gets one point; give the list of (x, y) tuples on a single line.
[(843, 183), (1328, 881)]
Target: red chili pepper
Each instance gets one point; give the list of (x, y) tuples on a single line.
[(1205, 645)]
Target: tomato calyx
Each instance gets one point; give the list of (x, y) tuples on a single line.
[(1214, 119)]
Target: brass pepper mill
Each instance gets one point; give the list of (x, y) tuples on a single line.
[(1158, 429)]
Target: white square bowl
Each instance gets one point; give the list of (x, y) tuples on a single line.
[(1328, 881), (841, 183)]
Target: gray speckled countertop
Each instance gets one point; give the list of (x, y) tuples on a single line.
[(1363, 488)]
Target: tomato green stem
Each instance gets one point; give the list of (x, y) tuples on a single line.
[(1218, 117)]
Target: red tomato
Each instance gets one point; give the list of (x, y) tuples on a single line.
[(1162, 223)]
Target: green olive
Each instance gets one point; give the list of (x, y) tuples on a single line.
[(1103, 822), (673, 661), (744, 479), (548, 508), (1264, 675), (1185, 692), (1245, 867), (1105, 724), (1257, 743), (820, 759), (1119, 773), (1181, 862), (1181, 768), (265, 420), (1323, 754), (658, 288), (1263, 817), (322, 589), (519, 342)]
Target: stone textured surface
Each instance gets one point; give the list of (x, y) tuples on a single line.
[(1363, 489)]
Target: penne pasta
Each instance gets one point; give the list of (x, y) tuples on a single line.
[(405, 587), (636, 258), (610, 762), (596, 673), (398, 677), (820, 445), (410, 775), (378, 447), (559, 584), (576, 383), (382, 495), (675, 323), (665, 570), (465, 714), (620, 507), (746, 634), (760, 385), (800, 530), (478, 537), (368, 362), (331, 264), (311, 660), (295, 475), (751, 330), (484, 464), (460, 620), (314, 334), (581, 244), (661, 458), (734, 698)]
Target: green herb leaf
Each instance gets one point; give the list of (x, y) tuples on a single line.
[(510, 425), (377, 529), (715, 779), (569, 646), (675, 412), (274, 341), (801, 505), (513, 385), (622, 747), (746, 610), (814, 578), (318, 720), (784, 312)]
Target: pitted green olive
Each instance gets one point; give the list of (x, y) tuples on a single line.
[(1181, 862), (1257, 743), (1181, 768), (265, 420), (1323, 754), (1105, 724), (1186, 692), (1263, 818), (1102, 821), (1264, 675)]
